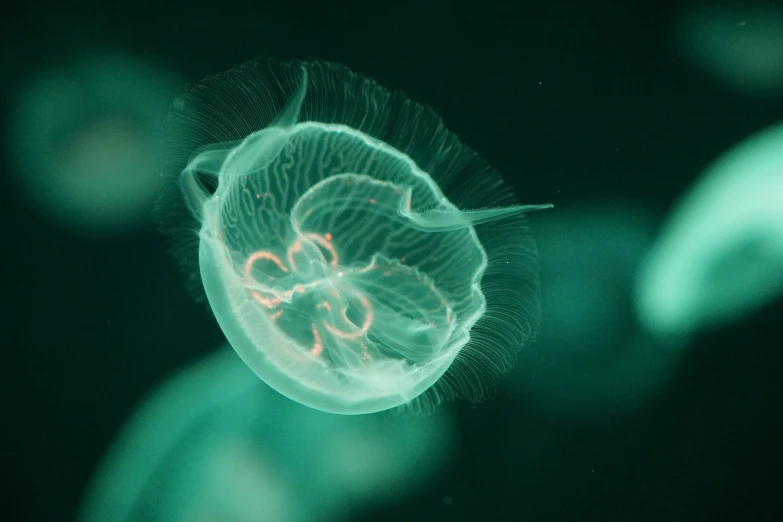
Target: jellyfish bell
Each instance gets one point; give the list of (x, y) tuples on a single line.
[(719, 254), (212, 442), (736, 43), (591, 361), (83, 141), (355, 254)]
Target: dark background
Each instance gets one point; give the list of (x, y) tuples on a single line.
[(573, 102)]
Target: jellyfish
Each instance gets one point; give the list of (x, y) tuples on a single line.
[(591, 359), (719, 254), (190, 453), (213, 442), (83, 141), (736, 43), (350, 247)]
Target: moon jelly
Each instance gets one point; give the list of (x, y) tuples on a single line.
[(719, 253), (591, 360), (83, 141), (351, 248), (736, 43), (212, 442)]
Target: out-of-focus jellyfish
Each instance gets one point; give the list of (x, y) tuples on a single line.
[(719, 255), (739, 44), (333, 245), (84, 141), (591, 360), (215, 443)]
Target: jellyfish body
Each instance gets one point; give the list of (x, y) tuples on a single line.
[(214, 443), (719, 255), (336, 266), (737, 44), (84, 141), (591, 361)]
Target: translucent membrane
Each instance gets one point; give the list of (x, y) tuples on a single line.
[(334, 262), (720, 252), (84, 141), (214, 443)]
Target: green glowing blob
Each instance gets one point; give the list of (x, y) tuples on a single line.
[(720, 253), (215, 443), (591, 360), (739, 44), (84, 141), (335, 264)]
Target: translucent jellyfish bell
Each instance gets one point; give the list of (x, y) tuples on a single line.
[(737, 43), (336, 265), (591, 361), (214, 443), (720, 253), (84, 141)]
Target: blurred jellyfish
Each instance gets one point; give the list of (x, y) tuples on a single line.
[(590, 359), (84, 141), (214, 443), (719, 256), (335, 264), (738, 43)]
